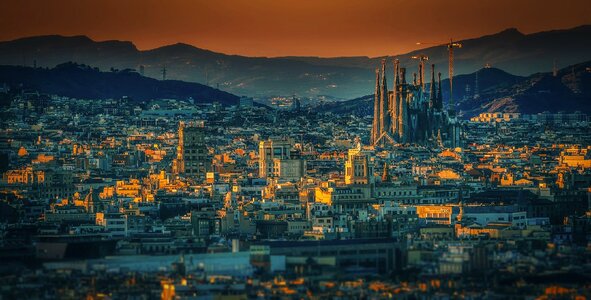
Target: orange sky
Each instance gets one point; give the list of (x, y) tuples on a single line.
[(287, 27)]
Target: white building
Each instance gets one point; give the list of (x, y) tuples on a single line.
[(114, 223)]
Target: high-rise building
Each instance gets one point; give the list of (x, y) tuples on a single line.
[(358, 167), (193, 159), (408, 114), (271, 150)]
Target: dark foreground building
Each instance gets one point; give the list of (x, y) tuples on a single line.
[(356, 255)]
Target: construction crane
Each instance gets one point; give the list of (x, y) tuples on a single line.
[(450, 48), (422, 59)]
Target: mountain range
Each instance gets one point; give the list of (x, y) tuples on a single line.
[(339, 77)]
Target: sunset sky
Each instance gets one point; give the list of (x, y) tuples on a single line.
[(287, 27)]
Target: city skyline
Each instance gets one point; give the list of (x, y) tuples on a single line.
[(461, 170)]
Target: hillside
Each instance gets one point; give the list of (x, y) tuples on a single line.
[(498, 91), (569, 91), (80, 81)]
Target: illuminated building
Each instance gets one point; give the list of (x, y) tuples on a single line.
[(495, 117), (192, 156), (114, 222), (270, 150), (358, 167)]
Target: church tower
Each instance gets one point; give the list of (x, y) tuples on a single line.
[(375, 133), (384, 116)]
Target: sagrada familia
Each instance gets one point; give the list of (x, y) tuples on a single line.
[(408, 114)]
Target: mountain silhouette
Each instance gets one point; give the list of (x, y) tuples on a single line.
[(81, 81), (339, 77)]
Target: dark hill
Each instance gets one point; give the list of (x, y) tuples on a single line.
[(500, 91), (80, 81)]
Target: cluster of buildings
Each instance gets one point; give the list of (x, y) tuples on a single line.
[(562, 117), (165, 198)]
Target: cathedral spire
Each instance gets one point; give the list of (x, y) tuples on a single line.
[(376, 110), (421, 72), (384, 81), (439, 94), (396, 73), (402, 109), (394, 101), (403, 75), (383, 101)]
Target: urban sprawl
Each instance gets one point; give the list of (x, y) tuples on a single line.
[(118, 199)]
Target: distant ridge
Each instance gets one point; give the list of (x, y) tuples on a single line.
[(339, 77)]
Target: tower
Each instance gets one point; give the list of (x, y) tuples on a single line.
[(422, 59), (384, 117), (358, 168), (394, 102), (192, 154), (375, 133), (432, 95), (402, 109)]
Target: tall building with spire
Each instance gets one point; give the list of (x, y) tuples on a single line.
[(410, 114), (359, 166)]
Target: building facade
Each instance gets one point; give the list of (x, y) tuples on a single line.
[(270, 151), (193, 159), (358, 166)]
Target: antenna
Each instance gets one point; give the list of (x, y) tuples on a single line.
[(164, 73)]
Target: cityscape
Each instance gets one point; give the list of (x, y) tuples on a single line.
[(459, 169)]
